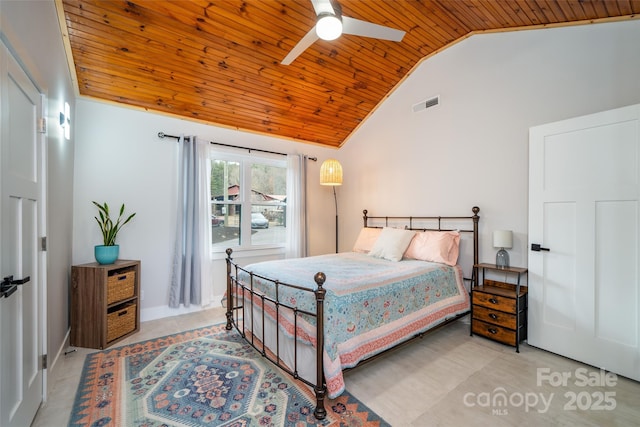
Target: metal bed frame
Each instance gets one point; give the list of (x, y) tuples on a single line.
[(239, 292)]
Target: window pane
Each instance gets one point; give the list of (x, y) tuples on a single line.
[(225, 181), (267, 225), (225, 225), (225, 216), (268, 203)]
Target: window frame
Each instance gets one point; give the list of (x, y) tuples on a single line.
[(245, 161)]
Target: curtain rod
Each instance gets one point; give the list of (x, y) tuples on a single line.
[(163, 135)]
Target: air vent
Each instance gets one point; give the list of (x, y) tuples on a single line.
[(431, 102)]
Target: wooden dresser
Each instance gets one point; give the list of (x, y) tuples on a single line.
[(499, 308), (105, 303)]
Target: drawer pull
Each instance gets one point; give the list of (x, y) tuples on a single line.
[(493, 300), (493, 331), (122, 277), (122, 313), (493, 316)]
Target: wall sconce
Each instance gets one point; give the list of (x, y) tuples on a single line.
[(65, 120), (502, 239)]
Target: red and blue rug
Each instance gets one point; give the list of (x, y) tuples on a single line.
[(207, 376)]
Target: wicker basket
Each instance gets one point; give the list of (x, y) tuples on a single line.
[(120, 286), (121, 322)]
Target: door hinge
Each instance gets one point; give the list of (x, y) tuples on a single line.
[(42, 125), (44, 361), (43, 244)]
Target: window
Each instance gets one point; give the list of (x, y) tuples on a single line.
[(248, 201)]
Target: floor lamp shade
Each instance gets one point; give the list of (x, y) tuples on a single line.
[(331, 172), (502, 239)]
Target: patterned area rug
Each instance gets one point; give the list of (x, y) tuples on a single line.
[(207, 376)]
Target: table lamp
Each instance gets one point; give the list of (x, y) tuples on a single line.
[(502, 239)]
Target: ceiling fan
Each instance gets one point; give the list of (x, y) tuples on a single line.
[(331, 24)]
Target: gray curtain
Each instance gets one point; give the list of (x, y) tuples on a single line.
[(297, 244), (186, 277)]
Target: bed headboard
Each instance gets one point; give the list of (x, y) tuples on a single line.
[(466, 225)]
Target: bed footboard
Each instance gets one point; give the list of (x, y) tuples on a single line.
[(240, 293)]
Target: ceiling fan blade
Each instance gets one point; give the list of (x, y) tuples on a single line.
[(302, 45), (357, 27), (322, 6)]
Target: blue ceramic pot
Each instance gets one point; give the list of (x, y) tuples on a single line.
[(106, 254)]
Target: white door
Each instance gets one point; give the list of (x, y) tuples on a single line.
[(21, 331), (584, 186)]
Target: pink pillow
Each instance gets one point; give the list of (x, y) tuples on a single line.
[(366, 239), (435, 246)]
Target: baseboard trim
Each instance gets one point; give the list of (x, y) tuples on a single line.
[(154, 313), (52, 362)]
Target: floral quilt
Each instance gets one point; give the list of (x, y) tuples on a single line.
[(371, 304)]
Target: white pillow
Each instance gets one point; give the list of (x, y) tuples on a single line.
[(392, 243), (366, 239)]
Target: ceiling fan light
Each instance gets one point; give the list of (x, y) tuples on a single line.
[(328, 27)]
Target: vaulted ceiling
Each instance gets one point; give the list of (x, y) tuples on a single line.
[(218, 61)]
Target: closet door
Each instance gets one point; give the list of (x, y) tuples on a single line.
[(21, 262), (584, 295)]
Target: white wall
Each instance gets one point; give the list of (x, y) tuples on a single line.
[(472, 149), (119, 159)]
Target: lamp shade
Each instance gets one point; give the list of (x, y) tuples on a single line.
[(331, 172), (503, 239)]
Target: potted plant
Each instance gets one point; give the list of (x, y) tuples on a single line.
[(109, 251)]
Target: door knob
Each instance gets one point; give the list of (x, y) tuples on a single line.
[(9, 286), (537, 248)]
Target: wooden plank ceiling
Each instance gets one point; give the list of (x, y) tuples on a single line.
[(218, 61)]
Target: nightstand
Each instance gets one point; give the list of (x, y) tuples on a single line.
[(499, 309)]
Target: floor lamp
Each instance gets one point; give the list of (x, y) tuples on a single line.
[(331, 174)]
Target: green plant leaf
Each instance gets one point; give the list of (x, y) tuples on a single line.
[(108, 228)]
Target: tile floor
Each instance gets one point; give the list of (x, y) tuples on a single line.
[(449, 379)]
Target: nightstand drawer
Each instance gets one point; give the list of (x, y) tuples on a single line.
[(494, 332), (496, 317), (495, 302)]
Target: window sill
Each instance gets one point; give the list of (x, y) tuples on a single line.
[(239, 252)]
